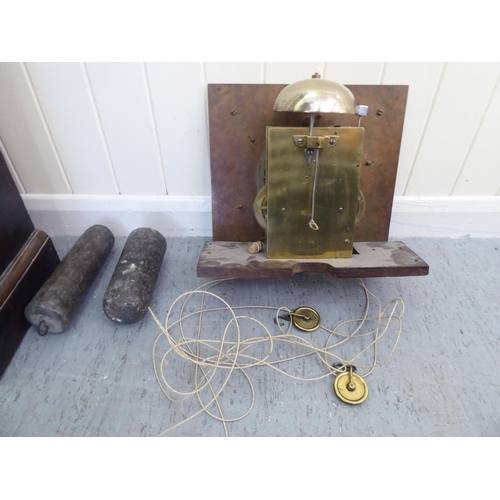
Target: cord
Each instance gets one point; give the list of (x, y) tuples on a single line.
[(218, 354)]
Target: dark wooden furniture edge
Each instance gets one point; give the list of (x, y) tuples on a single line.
[(27, 272)]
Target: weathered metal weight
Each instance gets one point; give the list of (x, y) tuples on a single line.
[(54, 306), (131, 287)]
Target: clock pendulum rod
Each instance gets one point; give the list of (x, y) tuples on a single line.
[(313, 224)]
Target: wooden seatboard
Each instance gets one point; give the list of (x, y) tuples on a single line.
[(230, 259)]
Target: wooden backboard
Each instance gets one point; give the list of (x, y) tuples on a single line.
[(238, 116)]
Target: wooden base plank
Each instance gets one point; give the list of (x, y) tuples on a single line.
[(230, 259)]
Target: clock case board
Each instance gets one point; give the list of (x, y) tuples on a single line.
[(27, 259), (239, 115)]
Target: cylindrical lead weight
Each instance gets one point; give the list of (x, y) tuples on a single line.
[(53, 307), (131, 287)]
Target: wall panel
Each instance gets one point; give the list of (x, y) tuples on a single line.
[(362, 73), (123, 103), (25, 135), (481, 172), (459, 106), (234, 72), (423, 81), (178, 94), (281, 72), (138, 129), (68, 108)]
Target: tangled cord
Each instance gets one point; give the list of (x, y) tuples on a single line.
[(211, 356)]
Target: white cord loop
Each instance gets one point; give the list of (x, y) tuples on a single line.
[(226, 351)]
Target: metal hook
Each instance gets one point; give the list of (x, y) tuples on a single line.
[(344, 368), (38, 328), (286, 318), (351, 386)]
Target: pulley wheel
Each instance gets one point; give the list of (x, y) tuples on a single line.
[(353, 392), (305, 319)]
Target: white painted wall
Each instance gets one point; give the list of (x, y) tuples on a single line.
[(112, 133)]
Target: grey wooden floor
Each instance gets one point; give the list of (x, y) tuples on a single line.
[(97, 379)]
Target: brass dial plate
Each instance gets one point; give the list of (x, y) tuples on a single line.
[(305, 319), (352, 397), (290, 188)]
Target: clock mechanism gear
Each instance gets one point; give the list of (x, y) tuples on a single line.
[(360, 209), (260, 207)]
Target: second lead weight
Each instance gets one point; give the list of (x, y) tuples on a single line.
[(131, 287)]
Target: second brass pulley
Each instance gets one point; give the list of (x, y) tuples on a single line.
[(351, 388)]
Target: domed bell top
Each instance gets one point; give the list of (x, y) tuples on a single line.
[(316, 95)]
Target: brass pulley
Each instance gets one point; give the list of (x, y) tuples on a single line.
[(305, 319), (350, 387)]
